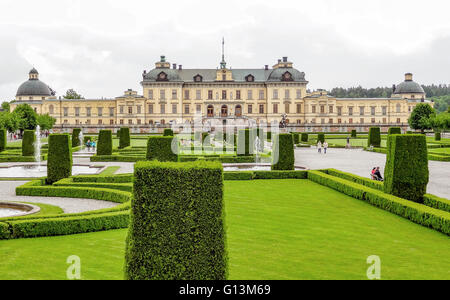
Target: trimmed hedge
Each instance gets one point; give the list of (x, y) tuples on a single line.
[(283, 152), (104, 146), (168, 132), (118, 178), (118, 133), (160, 148), (394, 130), (353, 133), (437, 136), (254, 175), (321, 137), (296, 137), (406, 172), (76, 137), (124, 137), (245, 142), (436, 202), (59, 164), (374, 137), (304, 137), (29, 137), (177, 228), (418, 213), (121, 158), (3, 140)]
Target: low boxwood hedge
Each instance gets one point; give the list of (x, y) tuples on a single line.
[(394, 130), (168, 132), (28, 140), (119, 178), (437, 136), (177, 228), (121, 158), (353, 134)]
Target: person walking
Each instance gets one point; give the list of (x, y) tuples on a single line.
[(319, 147), (325, 146)]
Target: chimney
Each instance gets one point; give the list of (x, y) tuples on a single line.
[(174, 66), (284, 58), (408, 77), (163, 58), (266, 67), (180, 67)]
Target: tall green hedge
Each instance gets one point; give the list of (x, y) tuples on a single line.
[(76, 137), (406, 171), (104, 145), (296, 137), (246, 141), (283, 152), (3, 140), (124, 137), (29, 137), (59, 161), (394, 130), (304, 137), (160, 148), (118, 133), (353, 133), (168, 132), (177, 229), (374, 137), (437, 136), (321, 137)]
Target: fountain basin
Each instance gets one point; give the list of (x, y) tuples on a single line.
[(11, 209), (252, 167), (36, 171)]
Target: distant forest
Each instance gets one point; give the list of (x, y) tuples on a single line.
[(439, 93)]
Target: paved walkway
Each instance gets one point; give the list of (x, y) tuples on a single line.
[(361, 162), (68, 205)]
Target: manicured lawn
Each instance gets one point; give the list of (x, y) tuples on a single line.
[(440, 150), (277, 229), (134, 143)]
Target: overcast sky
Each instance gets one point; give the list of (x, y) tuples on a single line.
[(100, 48)]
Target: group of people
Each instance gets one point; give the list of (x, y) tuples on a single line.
[(90, 144), (376, 174), (320, 146)]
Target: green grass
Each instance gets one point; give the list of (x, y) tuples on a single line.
[(276, 229), (110, 171), (134, 142)]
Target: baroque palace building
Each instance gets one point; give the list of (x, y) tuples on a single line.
[(174, 95)]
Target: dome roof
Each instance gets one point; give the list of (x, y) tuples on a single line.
[(33, 87), (408, 87), (278, 75), (34, 71), (171, 74)]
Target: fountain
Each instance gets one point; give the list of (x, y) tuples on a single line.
[(37, 146), (11, 209)]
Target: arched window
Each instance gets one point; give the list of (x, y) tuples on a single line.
[(162, 77), (398, 107), (238, 111), (224, 111), (286, 76), (51, 109), (210, 111)]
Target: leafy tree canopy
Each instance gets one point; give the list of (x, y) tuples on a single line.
[(421, 117), (46, 121), (5, 106), (27, 117), (71, 94)]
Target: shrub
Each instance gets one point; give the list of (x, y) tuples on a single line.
[(283, 152), (321, 137), (280, 174), (76, 137), (296, 137), (406, 171), (437, 136), (118, 133), (177, 228), (29, 138), (124, 137), (121, 158), (304, 137), (160, 148), (374, 137), (246, 141), (3, 141), (104, 146), (59, 163), (238, 175), (269, 135), (353, 135), (394, 130), (168, 132)]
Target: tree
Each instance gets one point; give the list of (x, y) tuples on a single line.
[(5, 106), (26, 116), (46, 121), (421, 117), (9, 121), (440, 122), (71, 94)]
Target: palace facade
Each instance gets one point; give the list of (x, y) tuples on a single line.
[(174, 95)]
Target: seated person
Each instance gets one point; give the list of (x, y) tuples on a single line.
[(378, 174), (372, 173)]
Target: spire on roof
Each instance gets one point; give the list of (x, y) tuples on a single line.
[(223, 64)]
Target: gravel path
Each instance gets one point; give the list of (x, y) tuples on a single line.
[(69, 205), (361, 162)]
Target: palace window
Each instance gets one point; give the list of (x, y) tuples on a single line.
[(287, 94), (372, 120), (322, 121), (162, 95), (162, 77), (174, 95), (198, 94), (186, 109), (88, 111), (299, 108), (339, 121), (299, 121), (286, 108), (322, 109), (372, 110), (100, 111), (174, 108), (250, 95), (130, 110), (138, 109), (66, 111), (139, 121), (286, 77), (261, 108), (186, 94), (150, 122), (398, 120), (384, 120), (66, 122), (198, 78), (330, 121), (350, 121), (121, 109), (224, 94), (275, 94), (150, 108), (198, 108), (249, 78), (130, 122), (275, 108), (150, 94), (299, 94), (339, 111), (51, 109), (361, 120), (398, 107), (224, 77), (100, 122), (238, 95), (111, 122), (313, 109), (249, 108), (361, 110), (261, 94), (384, 110), (121, 122), (77, 111), (350, 110), (163, 108), (210, 94), (111, 111)]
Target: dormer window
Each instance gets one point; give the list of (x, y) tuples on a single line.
[(198, 78), (286, 76), (162, 77), (249, 78)]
